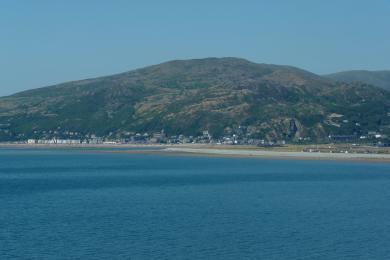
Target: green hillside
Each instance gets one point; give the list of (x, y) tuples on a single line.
[(221, 95), (376, 78)]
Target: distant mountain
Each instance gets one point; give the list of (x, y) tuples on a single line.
[(222, 95), (376, 78)]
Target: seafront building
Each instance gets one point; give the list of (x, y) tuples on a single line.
[(240, 138)]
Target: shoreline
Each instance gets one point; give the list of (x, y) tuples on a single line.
[(81, 146), (212, 151), (284, 155)]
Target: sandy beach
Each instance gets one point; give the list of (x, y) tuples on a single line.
[(288, 152), (280, 154)]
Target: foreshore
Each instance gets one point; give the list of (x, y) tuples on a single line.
[(288, 152), (281, 154)]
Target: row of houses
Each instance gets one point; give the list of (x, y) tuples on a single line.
[(54, 141)]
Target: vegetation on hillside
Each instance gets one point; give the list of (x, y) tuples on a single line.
[(376, 78), (187, 97)]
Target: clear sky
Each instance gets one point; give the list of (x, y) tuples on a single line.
[(43, 42)]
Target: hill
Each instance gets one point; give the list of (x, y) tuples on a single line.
[(376, 78), (222, 95)]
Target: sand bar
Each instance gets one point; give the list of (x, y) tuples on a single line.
[(280, 154)]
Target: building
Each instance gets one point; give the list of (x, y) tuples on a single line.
[(31, 141)]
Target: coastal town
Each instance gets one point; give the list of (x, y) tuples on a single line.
[(372, 138)]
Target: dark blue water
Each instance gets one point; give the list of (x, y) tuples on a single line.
[(85, 205)]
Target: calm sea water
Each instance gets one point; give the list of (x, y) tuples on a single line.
[(59, 204)]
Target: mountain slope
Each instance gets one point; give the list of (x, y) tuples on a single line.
[(376, 78), (186, 97)]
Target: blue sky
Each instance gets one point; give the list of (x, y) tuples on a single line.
[(43, 42)]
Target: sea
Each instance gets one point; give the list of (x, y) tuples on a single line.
[(106, 204)]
